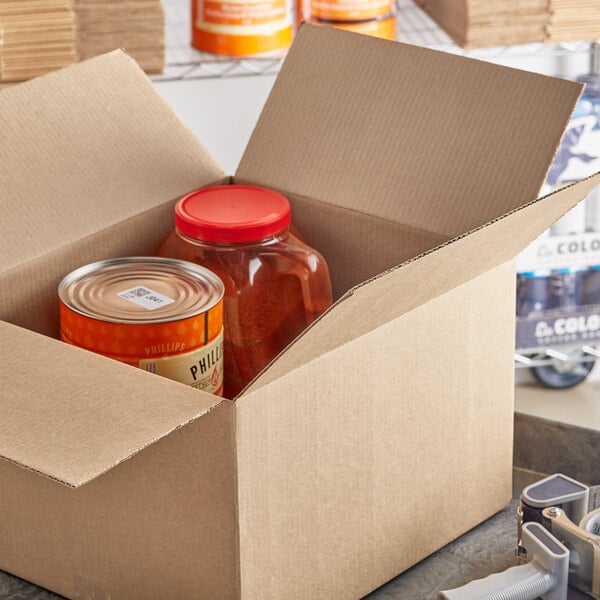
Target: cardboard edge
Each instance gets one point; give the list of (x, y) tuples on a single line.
[(119, 462), (168, 472), (33, 82), (351, 291), (362, 213), (236, 497), (255, 385), (457, 34)]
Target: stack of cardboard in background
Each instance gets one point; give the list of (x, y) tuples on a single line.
[(573, 20), (137, 26), (479, 23), (36, 36)]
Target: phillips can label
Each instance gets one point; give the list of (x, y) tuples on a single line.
[(162, 315)]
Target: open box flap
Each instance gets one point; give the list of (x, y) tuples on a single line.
[(445, 143), (428, 276), (81, 414), (87, 147)]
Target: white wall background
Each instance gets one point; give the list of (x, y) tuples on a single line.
[(221, 112)]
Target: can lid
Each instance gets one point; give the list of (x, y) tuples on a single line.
[(140, 289), (232, 214)]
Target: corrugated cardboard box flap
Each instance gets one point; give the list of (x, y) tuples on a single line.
[(412, 284), (443, 142), (99, 147), (82, 414)]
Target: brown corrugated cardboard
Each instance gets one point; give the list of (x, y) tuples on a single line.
[(368, 307), (473, 23), (75, 165), (162, 524), (380, 434), (86, 449), (356, 478), (409, 118)]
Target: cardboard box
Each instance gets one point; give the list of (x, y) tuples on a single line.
[(481, 23), (382, 433)]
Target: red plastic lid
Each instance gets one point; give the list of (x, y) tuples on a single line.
[(232, 213)]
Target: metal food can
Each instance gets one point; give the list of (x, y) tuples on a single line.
[(162, 315)]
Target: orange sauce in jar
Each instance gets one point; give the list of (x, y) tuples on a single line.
[(275, 284)]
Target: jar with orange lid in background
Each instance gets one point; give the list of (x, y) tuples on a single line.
[(275, 284), (370, 17), (242, 28)]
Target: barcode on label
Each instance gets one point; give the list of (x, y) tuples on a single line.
[(138, 292), (145, 297)]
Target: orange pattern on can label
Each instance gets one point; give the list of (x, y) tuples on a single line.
[(350, 10), (241, 28), (195, 341), (244, 13)]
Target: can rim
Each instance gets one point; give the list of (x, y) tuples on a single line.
[(196, 273)]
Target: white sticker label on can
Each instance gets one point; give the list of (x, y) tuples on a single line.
[(145, 297)]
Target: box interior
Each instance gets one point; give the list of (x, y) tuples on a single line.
[(373, 192)]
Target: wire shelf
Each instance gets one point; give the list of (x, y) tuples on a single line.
[(414, 26)]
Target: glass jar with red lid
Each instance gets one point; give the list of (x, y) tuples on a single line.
[(275, 284)]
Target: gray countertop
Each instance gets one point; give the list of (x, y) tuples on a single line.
[(541, 447), (486, 549)]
